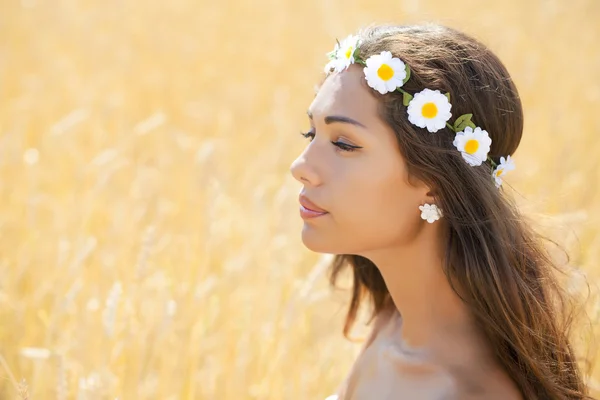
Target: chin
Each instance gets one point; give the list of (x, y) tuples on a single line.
[(312, 244), (314, 241), (319, 243)]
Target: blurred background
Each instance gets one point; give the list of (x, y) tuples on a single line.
[(150, 239)]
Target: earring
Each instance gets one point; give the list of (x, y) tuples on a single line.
[(430, 212)]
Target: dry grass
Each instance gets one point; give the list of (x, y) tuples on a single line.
[(150, 245)]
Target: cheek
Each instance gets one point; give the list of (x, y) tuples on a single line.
[(372, 210), (389, 215)]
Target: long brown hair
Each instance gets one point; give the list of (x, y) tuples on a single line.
[(494, 260)]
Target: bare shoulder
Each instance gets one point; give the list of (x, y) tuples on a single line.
[(385, 370), (394, 375), (478, 383), (385, 373), (436, 383)]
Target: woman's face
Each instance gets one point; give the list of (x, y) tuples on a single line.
[(369, 202)]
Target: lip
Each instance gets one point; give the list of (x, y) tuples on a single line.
[(308, 209), (306, 213)]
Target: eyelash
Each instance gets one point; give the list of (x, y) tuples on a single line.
[(340, 145)]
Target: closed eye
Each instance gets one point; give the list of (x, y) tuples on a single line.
[(340, 145)]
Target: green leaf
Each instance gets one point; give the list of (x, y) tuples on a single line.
[(406, 98), (448, 96), (407, 69), (466, 122), (461, 127), (462, 122), (356, 53)]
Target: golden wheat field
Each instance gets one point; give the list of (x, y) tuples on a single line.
[(150, 240)]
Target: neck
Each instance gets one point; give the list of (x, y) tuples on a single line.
[(432, 313)]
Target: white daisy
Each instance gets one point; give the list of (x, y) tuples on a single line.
[(506, 164), (343, 54), (473, 144), (429, 109), (384, 72), (430, 212)]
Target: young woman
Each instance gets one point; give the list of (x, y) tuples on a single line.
[(411, 136)]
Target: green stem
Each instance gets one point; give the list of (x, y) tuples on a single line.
[(450, 127), (492, 162)]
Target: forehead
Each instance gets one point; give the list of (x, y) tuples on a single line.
[(346, 94)]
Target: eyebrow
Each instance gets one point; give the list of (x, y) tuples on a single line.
[(332, 119)]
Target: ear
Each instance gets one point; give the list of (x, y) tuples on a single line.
[(430, 196), (426, 192)]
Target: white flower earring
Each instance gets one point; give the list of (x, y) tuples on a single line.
[(430, 212)]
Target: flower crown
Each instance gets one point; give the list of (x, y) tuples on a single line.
[(426, 109)]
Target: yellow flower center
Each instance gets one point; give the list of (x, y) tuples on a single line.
[(471, 146), (385, 72), (429, 110), (349, 52), (499, 172)]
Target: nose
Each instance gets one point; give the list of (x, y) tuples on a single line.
[(303, 172)]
